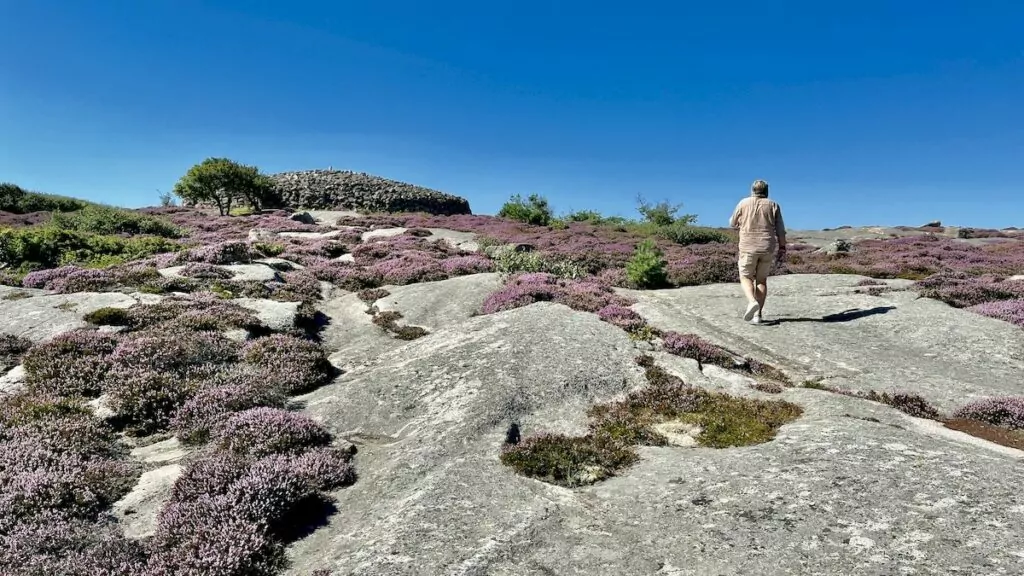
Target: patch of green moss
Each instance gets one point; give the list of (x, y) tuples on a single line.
[(617, 427), (108, 316)]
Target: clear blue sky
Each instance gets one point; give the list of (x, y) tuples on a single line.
[(870, 112)]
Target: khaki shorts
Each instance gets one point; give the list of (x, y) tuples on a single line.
[(757, 266)]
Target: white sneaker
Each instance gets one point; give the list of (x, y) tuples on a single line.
[(756, 319), (752, 309)]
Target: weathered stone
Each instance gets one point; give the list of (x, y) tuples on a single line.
[(276, 315), (838, 246), (280, 264), (137, 512), (253, 272), (817, 326), (382, 233), (434, 305), (261, 235), (351, 332), (163, 452), (311, 235), (13, 380), (43, 316)]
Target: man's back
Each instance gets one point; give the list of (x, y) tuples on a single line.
[(759, 221)]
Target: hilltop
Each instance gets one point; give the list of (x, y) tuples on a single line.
[(303, 391)]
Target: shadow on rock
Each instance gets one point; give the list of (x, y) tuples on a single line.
[(844, 316)]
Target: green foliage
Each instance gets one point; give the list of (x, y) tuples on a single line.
[(109, 316), (48, 246), (512, 262), (685, 234), (534, 210), (109, 221), (17, 200), (646, 269), (568, 461), (663, 213), (167, 199), (222, 181)]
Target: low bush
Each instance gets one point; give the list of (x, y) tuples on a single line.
[(194, 422), (38, 247), (17, 200), (566, 460), (145, 402), (71, 364), (695, 347), (293, 364), (525, 289), (534, 210), (686, 234), (109, 221), (12, 348), (646, 269), (108, 316), (1005, 411), (264, 431)]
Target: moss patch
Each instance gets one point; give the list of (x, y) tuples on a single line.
[(616, 428)]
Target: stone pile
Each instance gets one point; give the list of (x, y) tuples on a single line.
[(345, 190)]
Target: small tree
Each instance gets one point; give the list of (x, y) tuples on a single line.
[(534, 210), (222, 181), (166, 199), (646, 269), (663, 213)]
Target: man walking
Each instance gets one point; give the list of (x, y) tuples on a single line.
[(762, 243)]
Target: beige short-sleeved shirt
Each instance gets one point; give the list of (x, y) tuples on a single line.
[(759, 221)]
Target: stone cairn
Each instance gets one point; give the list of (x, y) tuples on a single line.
[(345, 190)]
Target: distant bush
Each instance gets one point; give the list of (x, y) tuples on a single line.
[(47, 247), (534, 210), (663, 214), (512, 262), (685, 234), (647, 267), (17, 200), (107, 221)]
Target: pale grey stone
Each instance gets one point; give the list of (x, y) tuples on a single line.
[(137, 512)]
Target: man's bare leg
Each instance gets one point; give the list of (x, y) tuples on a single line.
[(749, 291), (760, 293)]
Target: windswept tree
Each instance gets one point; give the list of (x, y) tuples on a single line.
[(222, 181)]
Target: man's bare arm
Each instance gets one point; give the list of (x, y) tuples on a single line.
[(780, 228), (734, 220)]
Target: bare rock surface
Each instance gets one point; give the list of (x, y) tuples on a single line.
[(817, 326), (42, 315), (851, 487), (138, 510), (351, 332), (256, 272), (434, 305), (382, 233), (275, 314)]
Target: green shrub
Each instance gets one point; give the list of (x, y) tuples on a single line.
[(106, 220), (512, 262), (685, 234), (108, 316), (222, 181), (17, 200), (646, 269), (47, 247), (663, 214), (534, 210)]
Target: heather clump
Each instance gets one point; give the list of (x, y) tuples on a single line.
[(345, 276), (1011, 311), (264, 431), (70, 364), (647, 267), (622, 316), (962, 290), (695, 347), (292, 364), (525, 289), (1007, 411), (229, 252), (12, 348)]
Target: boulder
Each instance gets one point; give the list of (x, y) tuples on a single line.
[(435, 305), (303, 217), (42, 316)]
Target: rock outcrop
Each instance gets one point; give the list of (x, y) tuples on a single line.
[(344, 190)]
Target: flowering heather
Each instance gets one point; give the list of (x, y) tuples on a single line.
[(9, 279), (345, 275), (371, 295), (231, 252), (169, 352), (264, 431), (70, 364), (198, 416), (53, 543), (41, 278), (293, 364), (207, 537), (695, 347), (12, 348), (588, 296), (961, 290), (147, 401), (465, 265), (297, 286), (324, 468), (268, 491), (1005, 411), (407, 268), (621, 316), (522, 291), (1011, 311), (205, 271), (211, 475)]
